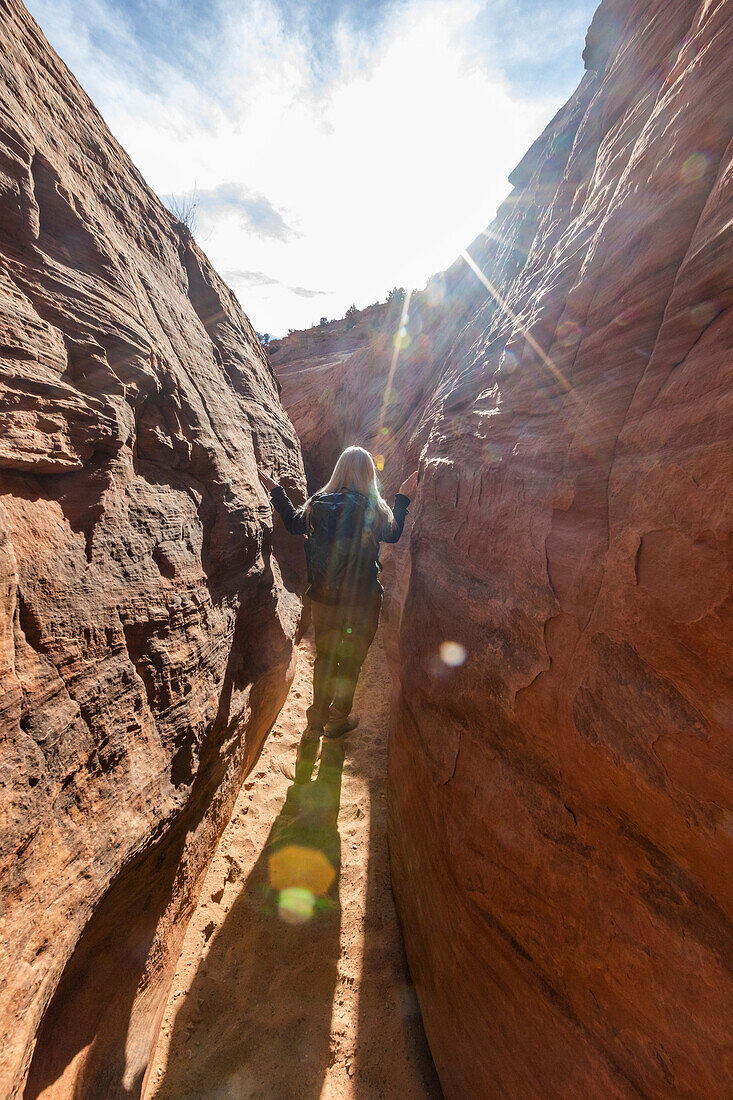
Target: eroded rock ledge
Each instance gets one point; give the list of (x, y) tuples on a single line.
[(561, 800), (145, 630)]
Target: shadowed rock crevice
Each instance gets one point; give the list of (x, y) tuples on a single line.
[(90, 1010)]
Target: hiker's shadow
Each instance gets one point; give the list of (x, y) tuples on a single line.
[(257, 1020)]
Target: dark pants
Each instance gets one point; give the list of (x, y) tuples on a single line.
[(343, 636)]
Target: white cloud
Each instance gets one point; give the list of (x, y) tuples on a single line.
[(377, 176), (255, 212)]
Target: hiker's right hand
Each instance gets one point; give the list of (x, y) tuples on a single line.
[(266, 480), (408, 488)]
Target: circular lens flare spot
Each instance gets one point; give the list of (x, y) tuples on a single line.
[(298, 866), (452, 654), (694, 168), (296, 905), (379, 462), (568, 333), (626, 317)]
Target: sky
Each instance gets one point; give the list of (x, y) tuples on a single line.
[(335, 148)]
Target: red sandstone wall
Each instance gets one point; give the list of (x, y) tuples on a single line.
[(145, 632), (339, 387), (561, 801)]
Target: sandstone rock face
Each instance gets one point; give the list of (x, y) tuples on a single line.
[(339, 388), (561, 800), (145, 630)]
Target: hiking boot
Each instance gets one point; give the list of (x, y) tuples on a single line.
[(340, 726)]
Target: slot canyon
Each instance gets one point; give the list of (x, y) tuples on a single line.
[(546, 768)]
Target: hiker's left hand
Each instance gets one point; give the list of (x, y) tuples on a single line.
[(408, 487), (266, 480)]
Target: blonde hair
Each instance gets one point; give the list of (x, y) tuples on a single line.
[(355, 470)]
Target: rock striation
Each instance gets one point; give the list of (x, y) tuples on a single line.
[(561, 776), (146, 632)]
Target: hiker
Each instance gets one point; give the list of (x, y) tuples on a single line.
[(343, 524)]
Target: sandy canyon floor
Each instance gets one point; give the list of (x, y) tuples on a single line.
[(292, 981)]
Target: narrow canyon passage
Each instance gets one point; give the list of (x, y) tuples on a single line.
[(273, 1001)]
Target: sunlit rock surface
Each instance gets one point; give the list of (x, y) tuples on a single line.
[(347, 382), (561, 800), (145, 632)]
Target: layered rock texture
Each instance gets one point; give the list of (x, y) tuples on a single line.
[(561, 778), (145, 629)]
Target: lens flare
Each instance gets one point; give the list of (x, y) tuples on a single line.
[(694, 168), (516, 320), (452, 654), (568, 334), (295, 905), (379, 462), (395, 357), (704, 312), (298, 867), (627, 317)]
